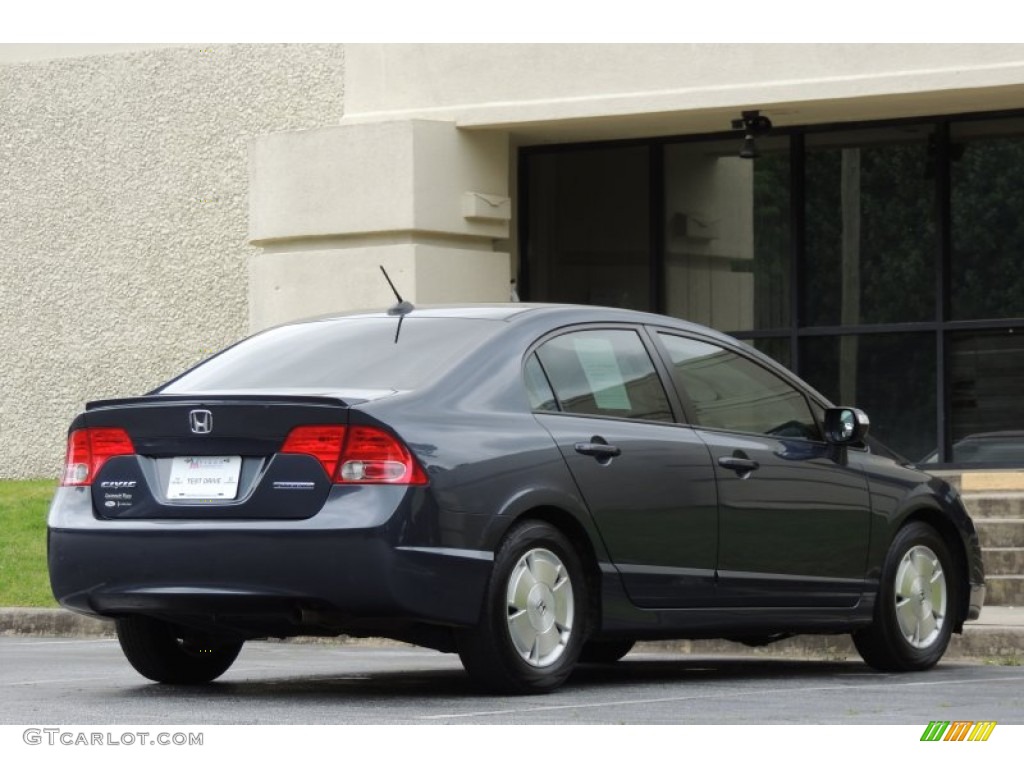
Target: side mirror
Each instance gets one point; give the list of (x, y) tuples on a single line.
[(844, 426)]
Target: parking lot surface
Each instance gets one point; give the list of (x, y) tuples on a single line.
[(87, 681)]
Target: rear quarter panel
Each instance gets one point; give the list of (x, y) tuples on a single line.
[(488, 459)]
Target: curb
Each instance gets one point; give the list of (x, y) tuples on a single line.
[(51, 622), (58, 622), (998, 644)]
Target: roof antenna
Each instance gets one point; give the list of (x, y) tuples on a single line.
[(402, 308)]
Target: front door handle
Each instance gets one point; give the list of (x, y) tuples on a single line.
[(598, 450), (740, 466)]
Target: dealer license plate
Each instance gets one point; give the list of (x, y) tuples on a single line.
[(204, 477)]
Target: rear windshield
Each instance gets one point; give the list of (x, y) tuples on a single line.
[(343, 353)]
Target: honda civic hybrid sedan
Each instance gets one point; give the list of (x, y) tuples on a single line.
[(529, 486)]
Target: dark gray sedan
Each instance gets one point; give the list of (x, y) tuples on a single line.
[(530, 486)]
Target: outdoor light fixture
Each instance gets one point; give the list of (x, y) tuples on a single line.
[(753, 124)]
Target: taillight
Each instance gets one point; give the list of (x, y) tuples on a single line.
[(372, 455), (88, 451), (322, 442), (357, 455)]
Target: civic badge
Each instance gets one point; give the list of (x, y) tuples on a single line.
[(201, 422)]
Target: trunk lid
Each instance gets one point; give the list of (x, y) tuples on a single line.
[(216, 456)]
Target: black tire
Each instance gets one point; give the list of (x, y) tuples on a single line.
[(910, 632), (164, 655), (538, 566), (605, 651)]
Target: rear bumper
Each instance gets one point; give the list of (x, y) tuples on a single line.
[(345, 570)]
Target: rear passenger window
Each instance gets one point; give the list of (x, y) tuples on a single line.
[(604, 373), (728, 391)]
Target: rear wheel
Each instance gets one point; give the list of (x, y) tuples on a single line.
[(915, 609), (157, 651), (534, 615)]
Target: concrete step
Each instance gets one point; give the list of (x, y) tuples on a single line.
[(995, 501), (1004, 590), (1000, 532), (1003, 504), (1003, 561), (981, 481)]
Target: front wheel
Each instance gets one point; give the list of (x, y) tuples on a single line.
[(534, 615), (916, 604), (162, 654)]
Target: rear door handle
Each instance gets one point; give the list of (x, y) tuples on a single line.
[(738, 465), (598, 450)]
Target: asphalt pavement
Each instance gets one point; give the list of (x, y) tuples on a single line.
[(62, 681)]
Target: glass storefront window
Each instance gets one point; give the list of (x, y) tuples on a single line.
[(776, 348), (726, 234), (871, 227), (987, 228), (889, 375), (588, 227), (986, 371), (889, 213)]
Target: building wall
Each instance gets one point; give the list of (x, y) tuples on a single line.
[(606, 91), (420, 198), (149, 216), (123, 213)]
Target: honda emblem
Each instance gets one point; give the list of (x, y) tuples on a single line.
[(201, 422)]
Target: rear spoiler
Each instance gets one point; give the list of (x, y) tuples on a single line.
[(223, 399)]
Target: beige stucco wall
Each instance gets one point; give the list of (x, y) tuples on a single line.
[(421, 198), (401, 176), (123, 214), (549, 92), (288, 283), (125, 252)]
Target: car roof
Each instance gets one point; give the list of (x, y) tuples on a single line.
[(469, 311), (511, 312)]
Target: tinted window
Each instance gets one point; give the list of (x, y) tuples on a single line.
[(604, 373), (727, 391), (351, 353)]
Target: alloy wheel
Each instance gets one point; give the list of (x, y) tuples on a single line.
[(541, 608), (921, 596)]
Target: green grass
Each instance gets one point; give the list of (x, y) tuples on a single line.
[(23, 577), (1013, 660)]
